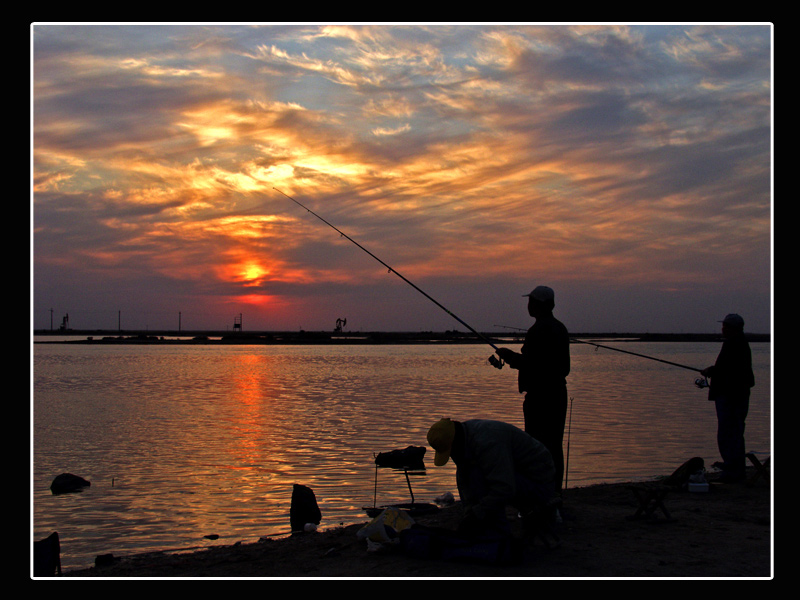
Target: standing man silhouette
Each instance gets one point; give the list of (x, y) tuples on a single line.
[(543, 364), (731, 379)]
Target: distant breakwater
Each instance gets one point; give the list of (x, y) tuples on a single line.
[(345, 338)]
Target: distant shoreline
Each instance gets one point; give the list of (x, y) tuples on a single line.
[(172, 337)]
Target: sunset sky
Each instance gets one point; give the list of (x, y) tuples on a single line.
[(628, 167)]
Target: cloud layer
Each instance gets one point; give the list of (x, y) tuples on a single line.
[(629, 167)]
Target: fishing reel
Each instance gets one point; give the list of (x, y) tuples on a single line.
[(496, 362), (702, 382)]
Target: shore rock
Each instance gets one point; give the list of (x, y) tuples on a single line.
[(67, 482)]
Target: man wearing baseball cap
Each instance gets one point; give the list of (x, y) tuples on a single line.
[(497, 465), (543, 364), (731, 379)]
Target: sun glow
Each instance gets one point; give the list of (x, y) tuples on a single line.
[(253, 273), (258, 300)]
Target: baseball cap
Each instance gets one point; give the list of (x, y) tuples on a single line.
[(440, 437), (542, 293), (734, 320)]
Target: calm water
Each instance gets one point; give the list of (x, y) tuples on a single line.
[(183, 442)]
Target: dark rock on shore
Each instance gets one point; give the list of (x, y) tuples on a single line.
[(67, 482)]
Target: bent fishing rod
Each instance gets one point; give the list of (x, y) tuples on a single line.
[(496, 362)]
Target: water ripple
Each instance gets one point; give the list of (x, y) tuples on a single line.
[(182, 442)]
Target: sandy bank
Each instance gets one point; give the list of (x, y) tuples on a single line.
[(725, 532)]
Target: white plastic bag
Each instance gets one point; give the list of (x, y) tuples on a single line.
[(386, 527)]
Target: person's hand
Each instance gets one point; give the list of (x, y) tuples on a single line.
[(505, 353)]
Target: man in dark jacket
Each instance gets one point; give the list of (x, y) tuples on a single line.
[(543, 365), (497, 465), (731, 380)]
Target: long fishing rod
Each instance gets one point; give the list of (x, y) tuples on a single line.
[(674, 364), (701, 383), (492, 359)]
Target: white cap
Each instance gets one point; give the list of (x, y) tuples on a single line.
[(542, 293)]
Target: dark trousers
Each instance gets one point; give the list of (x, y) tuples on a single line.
[(545, 412), (529, 494), (731, 414)]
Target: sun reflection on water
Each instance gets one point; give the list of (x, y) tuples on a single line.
[(183, 442)]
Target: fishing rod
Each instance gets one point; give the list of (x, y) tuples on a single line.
[(637, 354), (496, 362), (701, 383), (569, 434)]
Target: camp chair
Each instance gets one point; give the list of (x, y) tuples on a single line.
[(408, 460), (762, 468), (649, 497)]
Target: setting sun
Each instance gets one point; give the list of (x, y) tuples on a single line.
[(252, 273), (609, 162)]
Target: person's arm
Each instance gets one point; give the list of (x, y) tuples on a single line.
[(511, 358)]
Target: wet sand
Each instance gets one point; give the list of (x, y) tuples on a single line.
[(726, 532)]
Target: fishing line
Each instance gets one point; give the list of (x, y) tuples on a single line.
[(492, 359), (569, 435)]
